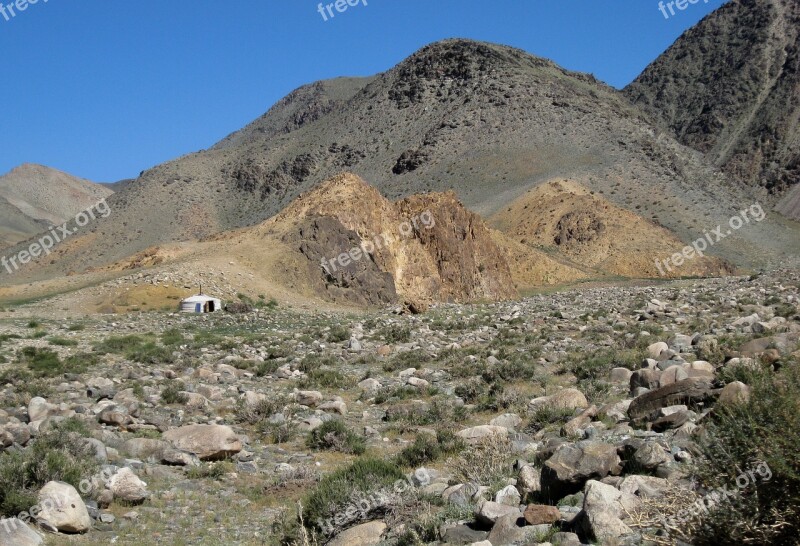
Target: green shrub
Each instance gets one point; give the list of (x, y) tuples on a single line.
[(547, 416), (214, 471), (56, 455), (42, 362), (334, 435), (172, 337), (338, 333), (172, 394), (407, 359), (427, 449), (741, 438), (395, 334), (325, 378), (150, 353), (336, 492), (62, 342), (119, 345), (598, 364)]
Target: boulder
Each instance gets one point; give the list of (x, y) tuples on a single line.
[(572, 465), (689, 391), (673, 374), (308, 398), (508, 420), (61, 507), (476, 434), (126, 486), (650, 456), (488, 512), (602, 511), (647, 378), (208, 442), (735, 393), (568, 399), (538, 514), (366, 534), (508, 496), (529, 479), (655, 350), (15, 532)]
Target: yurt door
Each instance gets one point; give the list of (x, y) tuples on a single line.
[(198, 308)]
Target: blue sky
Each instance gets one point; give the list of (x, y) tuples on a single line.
[(104, 89)]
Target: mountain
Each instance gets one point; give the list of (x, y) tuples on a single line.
[(487, 122), (16, 226), (730, 87), (568, 219), (34, 197)]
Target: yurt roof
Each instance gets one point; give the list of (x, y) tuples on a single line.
[(199, 299)]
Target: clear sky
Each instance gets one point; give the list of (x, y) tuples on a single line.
[(104, 89)]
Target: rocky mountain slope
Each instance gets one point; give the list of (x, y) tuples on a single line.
[(730, 87), (487, 121), (34, 197)]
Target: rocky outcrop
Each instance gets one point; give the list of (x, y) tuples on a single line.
[(361, 248)]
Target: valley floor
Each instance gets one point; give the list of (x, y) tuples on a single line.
[(415, 391)]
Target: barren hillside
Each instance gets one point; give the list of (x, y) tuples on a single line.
[(730, 87)]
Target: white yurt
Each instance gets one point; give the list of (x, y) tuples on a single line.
[(201, 304)]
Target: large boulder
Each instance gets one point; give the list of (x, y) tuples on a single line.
[(603, 506), (572, 465), (489, 512), (476, 434), (688, 391), (60, 506), (568, 399), (14, 532), (735, 393), (208, 442), (366, 534), (126, 486)]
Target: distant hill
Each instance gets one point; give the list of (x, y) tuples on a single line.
[(730, 87), (33, 197)]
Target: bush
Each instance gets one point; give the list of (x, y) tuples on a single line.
[(172, 394), (56, 455), (334, 435), (42, 362), (740, 437), (214, 471), (485, 463), (548, 416), (338, 333), (427, 449), (62, 342), (137, 348), (328, 379), (396, 334), (336, 492)]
